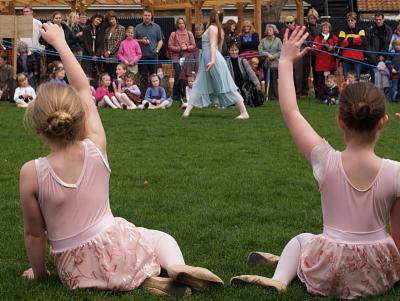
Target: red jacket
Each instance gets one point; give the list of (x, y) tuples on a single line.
[(352, 38), (325, 61)]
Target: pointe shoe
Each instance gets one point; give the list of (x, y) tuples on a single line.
[(243, 116), (259, 280), (197, 278), (255, 258), (161, 286)]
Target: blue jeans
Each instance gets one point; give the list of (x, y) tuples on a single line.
[(351, 66), (393, 93)]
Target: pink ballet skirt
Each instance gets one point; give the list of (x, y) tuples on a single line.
[(349, 271), (116, 259)]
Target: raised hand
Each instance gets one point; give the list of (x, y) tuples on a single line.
[(291, 46), (52, 34)]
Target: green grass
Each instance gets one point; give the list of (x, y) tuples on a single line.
[(221, 187)]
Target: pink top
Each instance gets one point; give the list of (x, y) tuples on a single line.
[(101, 92), (176, 39), (75, 212), (351, 214), (129, 50)]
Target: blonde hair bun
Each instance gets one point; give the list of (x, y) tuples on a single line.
[(60, 125)]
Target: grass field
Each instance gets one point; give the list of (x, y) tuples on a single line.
[(221, 187)]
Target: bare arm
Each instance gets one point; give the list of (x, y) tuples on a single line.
[(78, 80), (395, 223), (34, 228), (213, 37), (303, 134), (159, 45)]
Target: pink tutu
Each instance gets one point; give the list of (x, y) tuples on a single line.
[(117, 259), (349, 271)]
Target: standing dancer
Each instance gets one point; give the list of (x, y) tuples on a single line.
[(65, 197), (213, 83), (354, 256)]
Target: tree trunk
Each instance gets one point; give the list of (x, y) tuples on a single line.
[(272, 11)]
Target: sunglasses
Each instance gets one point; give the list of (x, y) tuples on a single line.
[(291, 22)]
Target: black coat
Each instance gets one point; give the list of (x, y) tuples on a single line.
[(88, 38), (372, 43), (69, 38), (31, 62), (331, 92)]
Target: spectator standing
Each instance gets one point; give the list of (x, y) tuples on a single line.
[(33, 43), (181, 44), (395, 37), (77, 31), (93, 45), (249, 39), (6, 78), (352, 40), (231, 35), (395, 72), (129, 51), (378, 39), (57, 18), (270, 48), (325, 63), (313, 29), (150, 38), (26, 62), (198, 32), (114, 35), (83, 19), (290, 25)]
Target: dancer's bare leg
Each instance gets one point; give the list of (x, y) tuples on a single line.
[(242, 110)]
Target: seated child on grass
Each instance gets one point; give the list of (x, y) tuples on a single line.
[(103, 95), (331, 91), (156, 97), (57, 73), (351, 78), (24, 93), (130, 97)]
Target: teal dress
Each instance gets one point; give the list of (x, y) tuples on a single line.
[(215, 86)]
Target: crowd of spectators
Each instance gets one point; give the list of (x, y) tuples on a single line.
[(103, 46)]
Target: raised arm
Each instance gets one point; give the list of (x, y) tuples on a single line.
[(78, 80), (34, 228), (303, 134)]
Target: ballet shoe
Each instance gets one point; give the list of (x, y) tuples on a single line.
[(259, 280), (185, 115), (243, 116), (197, 278), (255, 258), (165, 287)]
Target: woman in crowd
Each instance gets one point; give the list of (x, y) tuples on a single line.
[(325, 64), (231, 35), (181, 45), (77, 31), (270, 48), (249, 39), (93, 45), (114, 35), (241, 72)]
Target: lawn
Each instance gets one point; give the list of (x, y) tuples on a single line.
[(221, 187)]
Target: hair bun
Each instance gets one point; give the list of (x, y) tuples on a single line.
[(361, 110), (60, 124)]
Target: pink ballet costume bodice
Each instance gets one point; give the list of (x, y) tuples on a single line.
[(91, 248), (354, 256), (72, 211)]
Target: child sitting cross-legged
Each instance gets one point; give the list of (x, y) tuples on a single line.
[(130, 97), (156, 97), (24, 93), (331, 91)]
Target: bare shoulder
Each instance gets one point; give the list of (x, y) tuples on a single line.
[(28, 178), (213, 28), (28, 169)]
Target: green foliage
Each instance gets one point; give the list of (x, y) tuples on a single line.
[(221, 187)]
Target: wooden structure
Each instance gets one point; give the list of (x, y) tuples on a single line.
[(186, 5)]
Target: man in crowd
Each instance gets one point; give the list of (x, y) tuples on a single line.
[(150, 38)]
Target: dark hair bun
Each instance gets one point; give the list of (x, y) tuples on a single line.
[(361, 111), (60, 125)]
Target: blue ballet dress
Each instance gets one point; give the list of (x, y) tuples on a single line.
[(215, 86)]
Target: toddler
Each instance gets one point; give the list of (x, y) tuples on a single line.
[(156, 96), (65, 199), (103, 95), (382, 75), (331, 91), (351, 78), (254, 64), (130, 97), (24, 93), (129, 51), (354, 256)]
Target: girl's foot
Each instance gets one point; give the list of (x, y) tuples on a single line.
[(185, 114), (197, 278), (259, 280), (161, 286), (255, 258), (243, 116)]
